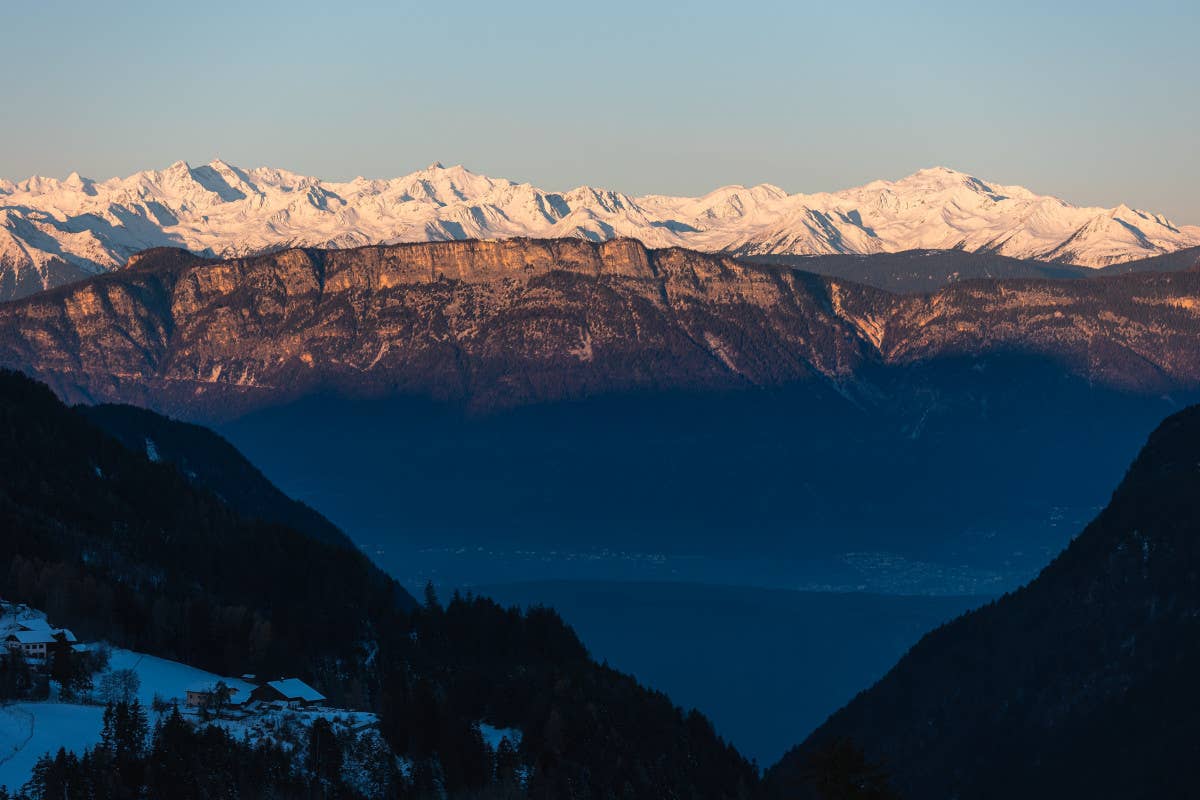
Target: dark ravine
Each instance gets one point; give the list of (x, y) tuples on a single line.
[(1081, 684)]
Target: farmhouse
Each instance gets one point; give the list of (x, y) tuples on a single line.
[(292, 691), (35, 639), (214, 695)]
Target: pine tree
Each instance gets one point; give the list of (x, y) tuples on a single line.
[(431, 598), (170, 771), (324, 760), (68, 669), (841, 771)]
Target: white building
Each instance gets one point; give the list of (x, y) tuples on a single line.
[(34, 638)]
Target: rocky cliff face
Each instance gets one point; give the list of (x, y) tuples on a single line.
[(481, 323), (499, 324)]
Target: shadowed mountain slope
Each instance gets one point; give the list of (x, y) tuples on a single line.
[(211, 463), (1082, 683), (128, 550)]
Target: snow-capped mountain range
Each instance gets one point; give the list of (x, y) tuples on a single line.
[(55, 231)]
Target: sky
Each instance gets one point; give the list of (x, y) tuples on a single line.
[(1097, 102)]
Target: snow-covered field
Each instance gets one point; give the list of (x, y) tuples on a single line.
[(168, 680), (29, 730)]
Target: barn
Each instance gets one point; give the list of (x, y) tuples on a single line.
[(292, 691)]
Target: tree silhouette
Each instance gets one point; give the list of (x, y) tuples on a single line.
[(840, 770)]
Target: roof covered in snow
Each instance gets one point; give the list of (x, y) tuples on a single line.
[(295, 689), (33, 624), (44, 636)]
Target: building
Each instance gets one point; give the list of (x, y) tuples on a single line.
[(292, 691), (216, 694), (34, 639)]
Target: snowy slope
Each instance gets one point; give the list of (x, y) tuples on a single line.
[(169, 680), (54, 231), (28, 730)]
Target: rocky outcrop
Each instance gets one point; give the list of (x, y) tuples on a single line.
[(498, 324)]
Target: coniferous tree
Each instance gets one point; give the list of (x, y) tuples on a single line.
[(170, 771), (841, 771), (69, 669), (324, 758)]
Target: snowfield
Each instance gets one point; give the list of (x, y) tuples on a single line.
[(168, 680), (29, 730), (54, 231)]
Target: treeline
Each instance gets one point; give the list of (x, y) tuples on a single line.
[(180, 761)]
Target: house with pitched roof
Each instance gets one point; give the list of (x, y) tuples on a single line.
[(291, 691)]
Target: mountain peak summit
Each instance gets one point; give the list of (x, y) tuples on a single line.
[(226, 210)]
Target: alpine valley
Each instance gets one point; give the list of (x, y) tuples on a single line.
[(56, 231), (752, 472)]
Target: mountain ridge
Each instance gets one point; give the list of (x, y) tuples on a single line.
[(56, 231), (503, 323)]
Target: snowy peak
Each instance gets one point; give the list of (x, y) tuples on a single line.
[(53, 231)]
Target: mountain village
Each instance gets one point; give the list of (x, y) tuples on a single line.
[(278, 709)]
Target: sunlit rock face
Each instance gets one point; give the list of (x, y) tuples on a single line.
[(499, 324)]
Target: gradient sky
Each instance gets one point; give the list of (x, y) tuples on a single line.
[(1097, 102)]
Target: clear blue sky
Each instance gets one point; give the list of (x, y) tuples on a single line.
[(1098, 101)]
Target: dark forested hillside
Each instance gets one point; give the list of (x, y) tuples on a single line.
[(1082, 684), (925, 270), (213, 464), (914, 271), (1188, 258), (125, 549)]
